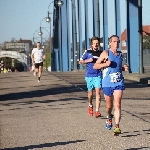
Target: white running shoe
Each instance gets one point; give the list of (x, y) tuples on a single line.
[(38, 81)]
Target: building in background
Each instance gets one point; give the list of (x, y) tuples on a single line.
[(146, 47), (16, 54), (146, 31)]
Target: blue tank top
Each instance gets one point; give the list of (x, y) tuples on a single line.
[(112, 75)]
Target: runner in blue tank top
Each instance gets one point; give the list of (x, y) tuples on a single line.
[(113, 81), (93, 77)]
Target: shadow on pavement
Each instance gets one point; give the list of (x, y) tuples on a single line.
[(132, 84), (138, 148), (43, 145), (130, 135), (135, 115), (38, 93), (135, 133), (48, 103)]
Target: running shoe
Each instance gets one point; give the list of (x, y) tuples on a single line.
[(38, 81), (90, 111), (117, 131), (97, 114), (109, 123)]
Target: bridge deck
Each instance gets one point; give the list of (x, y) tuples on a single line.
[(53, 114)]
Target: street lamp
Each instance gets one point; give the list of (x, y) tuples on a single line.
[(33, 36), (43, 44), (74, 31), (48, 19), (40, 33), (59, 4), (33, 41)]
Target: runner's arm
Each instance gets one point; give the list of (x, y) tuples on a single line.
[(84, 60), (44, 55), (101, 62), (32, 57)]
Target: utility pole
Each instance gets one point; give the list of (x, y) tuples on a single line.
[(140, 36)]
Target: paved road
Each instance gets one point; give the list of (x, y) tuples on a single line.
[(52, 115)]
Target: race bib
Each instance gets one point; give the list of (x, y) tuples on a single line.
[(115, 77)]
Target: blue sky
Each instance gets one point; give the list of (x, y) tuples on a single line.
[(21, 18)]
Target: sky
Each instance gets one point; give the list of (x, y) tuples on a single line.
[(22, 18)]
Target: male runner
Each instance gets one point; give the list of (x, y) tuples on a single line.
[(113, 81), (93, 76), (37, 57)]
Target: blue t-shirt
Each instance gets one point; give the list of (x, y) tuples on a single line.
[(90, 72), (112, 75)]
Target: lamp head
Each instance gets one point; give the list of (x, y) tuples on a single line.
[(60, 3), (48, 19), (40, 33)]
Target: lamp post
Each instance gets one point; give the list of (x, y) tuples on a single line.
[(54, 53), (141, 69), (42, 45), (40, 33), (59, 4), (74, 30), (33, 36), (33, 41), (48, 19)]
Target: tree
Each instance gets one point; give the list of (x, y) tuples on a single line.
[(47, 60), (146, 42)]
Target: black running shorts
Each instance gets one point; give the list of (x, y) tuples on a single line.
[(38, 64)]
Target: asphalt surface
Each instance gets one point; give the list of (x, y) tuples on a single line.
[(52, 115)]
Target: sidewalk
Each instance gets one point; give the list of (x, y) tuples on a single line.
[(53, 115), (142, 78)]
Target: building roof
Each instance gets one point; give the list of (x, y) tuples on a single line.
[(146, 31)]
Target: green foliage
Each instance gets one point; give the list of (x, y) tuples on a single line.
[(146, 42), (47, 60)]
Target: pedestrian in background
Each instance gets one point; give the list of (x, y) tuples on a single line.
[(37, 57)]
